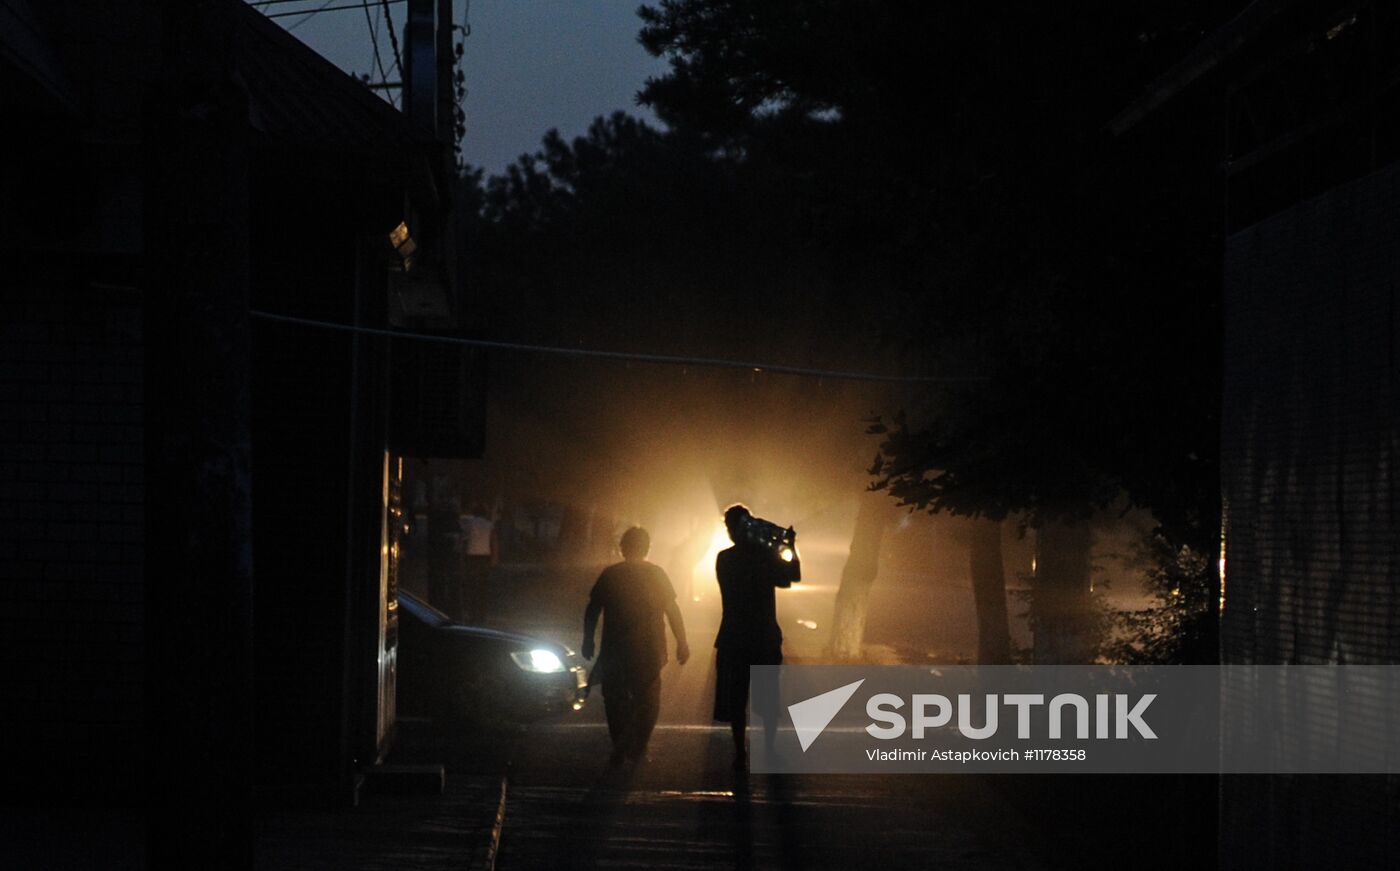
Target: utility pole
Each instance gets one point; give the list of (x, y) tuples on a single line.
[(446, 94), (421, 69), (429, 96)]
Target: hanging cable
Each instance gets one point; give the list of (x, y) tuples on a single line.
[(658, 359), (393, 38), (328, 8), (459, 84), (378, 63), (305, 17)]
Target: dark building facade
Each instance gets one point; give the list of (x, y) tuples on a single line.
[(1312, 273), (1312, 534), (72, 489), (1308, 97), (198, 479)]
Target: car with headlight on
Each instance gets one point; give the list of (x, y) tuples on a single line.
[(454, 673)]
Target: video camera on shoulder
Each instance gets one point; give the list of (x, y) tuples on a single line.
[(782, 542)]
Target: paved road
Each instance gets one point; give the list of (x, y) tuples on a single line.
[(449, 832), (685, 808)]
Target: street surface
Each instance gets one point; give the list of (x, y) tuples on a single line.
[(686, 808)]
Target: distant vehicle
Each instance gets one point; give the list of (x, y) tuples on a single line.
[(455, 673)]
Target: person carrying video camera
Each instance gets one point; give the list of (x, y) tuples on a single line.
[(748, 573)]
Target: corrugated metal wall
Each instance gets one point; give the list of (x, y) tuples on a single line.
[(1309, 481)]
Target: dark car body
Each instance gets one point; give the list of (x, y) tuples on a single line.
[(451, 672)]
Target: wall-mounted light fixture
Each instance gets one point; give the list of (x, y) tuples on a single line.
[(404, 247)]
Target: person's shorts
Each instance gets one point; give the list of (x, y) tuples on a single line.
[(732, 681)]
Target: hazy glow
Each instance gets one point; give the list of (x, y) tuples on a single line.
[(705, 582), (786, 554), (605, 447)]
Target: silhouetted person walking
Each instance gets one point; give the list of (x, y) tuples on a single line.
[(632, 596), (748, 573)]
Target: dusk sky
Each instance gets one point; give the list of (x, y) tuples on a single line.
[(530, 65)]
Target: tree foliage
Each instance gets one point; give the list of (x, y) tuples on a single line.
[(965, 144), (963, 156), (930, 184)]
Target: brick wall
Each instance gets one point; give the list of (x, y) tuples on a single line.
[(1312, 426), (71, 536)]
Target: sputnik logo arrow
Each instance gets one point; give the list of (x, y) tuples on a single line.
[(813, 715)]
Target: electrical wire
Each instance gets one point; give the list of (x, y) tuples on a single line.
[(459, 84), (330, 9), (305, 13), (393, 38), (373, 24), (658, 359)]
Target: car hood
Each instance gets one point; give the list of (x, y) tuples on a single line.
[(413, 608), (513, 639)]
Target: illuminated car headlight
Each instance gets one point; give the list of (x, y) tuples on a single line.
[(539, 661)]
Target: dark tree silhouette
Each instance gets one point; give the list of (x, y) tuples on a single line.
[(926, 185), (962, 146)]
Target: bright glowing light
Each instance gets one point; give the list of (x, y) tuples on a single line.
[(698, 793), (543, 660), (1222, 568), (704, 572), (403, 244), (786, 554), (398, 235), (539, 661)]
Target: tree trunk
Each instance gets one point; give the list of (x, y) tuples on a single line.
[(862, 565), (1063, 616), (989, 594)]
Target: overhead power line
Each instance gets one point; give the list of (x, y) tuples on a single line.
[(393, 38), (305, 17), (311, 12), (373, 23), (657, 359)]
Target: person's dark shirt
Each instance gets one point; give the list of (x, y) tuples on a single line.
[(634, 597), (748, 574)]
